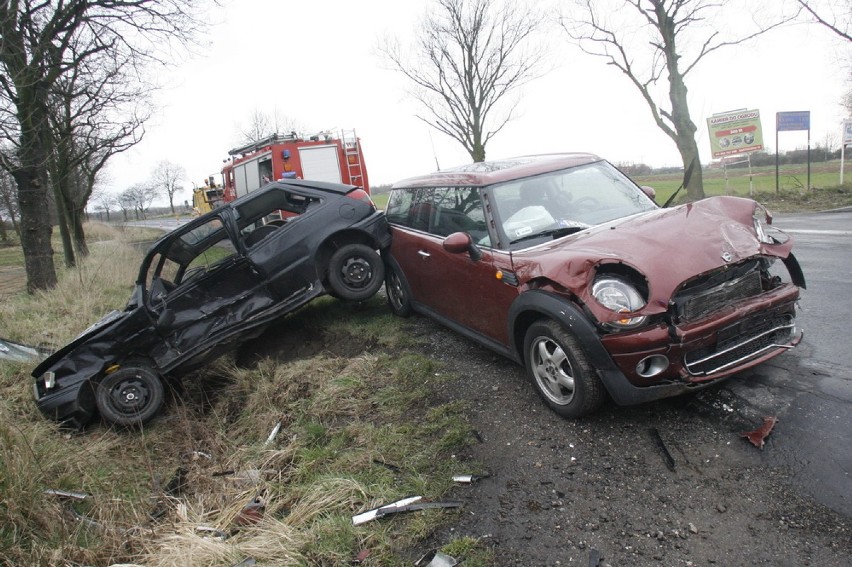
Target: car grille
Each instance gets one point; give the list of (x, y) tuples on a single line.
[(691, 305), (740, 343)]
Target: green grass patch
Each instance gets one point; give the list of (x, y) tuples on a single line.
[(792, 195)]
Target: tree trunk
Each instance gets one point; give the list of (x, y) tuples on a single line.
[(35, 228), (4, 237), (78, 233)]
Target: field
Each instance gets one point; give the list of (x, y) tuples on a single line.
[(792, 194)]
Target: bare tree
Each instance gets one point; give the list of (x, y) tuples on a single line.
[(97, 109), (43, 41), (262, 125), (835, 15), (8, 205), (469, 57), (167, 177), (653, 41), (138, 198)]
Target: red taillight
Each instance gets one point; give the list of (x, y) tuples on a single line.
[(361, 195)]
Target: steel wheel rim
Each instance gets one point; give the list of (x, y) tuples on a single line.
[(130, 397), (357, 272), (552, 370)]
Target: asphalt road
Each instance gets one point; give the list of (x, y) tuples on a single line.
[(810, 388)]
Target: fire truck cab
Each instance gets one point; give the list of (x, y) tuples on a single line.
[(322, 157)]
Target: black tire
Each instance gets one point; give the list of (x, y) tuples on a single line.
[(560, 370), (355, 272), (130, 396), (397, 291)]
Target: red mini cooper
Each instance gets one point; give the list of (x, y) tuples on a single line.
[(563, 264)]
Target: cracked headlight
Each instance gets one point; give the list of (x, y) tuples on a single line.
[(621, 297)]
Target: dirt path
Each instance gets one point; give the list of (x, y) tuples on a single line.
[(599, 492)]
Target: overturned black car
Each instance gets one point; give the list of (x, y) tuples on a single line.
[(212, 283)]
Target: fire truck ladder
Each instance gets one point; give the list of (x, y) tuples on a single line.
[(352, 154)]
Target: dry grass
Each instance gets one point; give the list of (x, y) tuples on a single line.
[(181, 492)]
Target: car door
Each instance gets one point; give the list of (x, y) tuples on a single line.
[(458, 287), (202, 289)]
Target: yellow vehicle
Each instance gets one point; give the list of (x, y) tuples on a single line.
[(207, 198)]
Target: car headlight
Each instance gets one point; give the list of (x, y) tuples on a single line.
[(621, 297), (762, 219)]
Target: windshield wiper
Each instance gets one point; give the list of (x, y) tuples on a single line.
[(553, 232)]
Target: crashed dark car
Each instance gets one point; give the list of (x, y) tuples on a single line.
[(562, 264), (213, 283)]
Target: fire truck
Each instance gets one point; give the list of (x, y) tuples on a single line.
[(322, 157)]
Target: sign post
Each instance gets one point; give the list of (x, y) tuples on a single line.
[(845, 140), (791, 121), (735, 132)]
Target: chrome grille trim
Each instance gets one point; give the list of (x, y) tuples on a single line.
[(691, 366)]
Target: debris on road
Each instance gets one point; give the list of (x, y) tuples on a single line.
[(436, 559), (274, 433), (469, 478), (667, 457), (409, 504), (594, 558), (20, 353), (66, 494), (759, 435)]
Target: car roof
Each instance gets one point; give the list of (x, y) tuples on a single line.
[(496, 171)]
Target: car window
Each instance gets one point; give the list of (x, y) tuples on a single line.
[(190, 255), (259, 217), (440, 211)]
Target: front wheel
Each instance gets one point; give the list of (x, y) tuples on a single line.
[(130, 396), (561, 371), (398, 292), (355, 272)]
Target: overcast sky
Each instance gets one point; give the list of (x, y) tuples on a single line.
[(316, 63)]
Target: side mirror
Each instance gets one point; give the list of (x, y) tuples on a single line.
[(165, 320), (650, 191), (460, 242)]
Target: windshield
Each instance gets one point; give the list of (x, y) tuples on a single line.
[(566, 201)]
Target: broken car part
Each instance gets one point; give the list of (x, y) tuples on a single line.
[(373, 514), (468, 478), (667, 457), (759, 435), (436, 559)]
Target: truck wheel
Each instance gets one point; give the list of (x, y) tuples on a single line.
[(397, 290), (355, 272), (561, 371), (130, 396)]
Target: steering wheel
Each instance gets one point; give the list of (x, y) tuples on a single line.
[(587, 203)]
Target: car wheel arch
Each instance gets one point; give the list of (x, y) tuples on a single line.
[(334, 242), (536, 305)]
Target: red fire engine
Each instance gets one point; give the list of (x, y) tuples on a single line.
[(322, 157)]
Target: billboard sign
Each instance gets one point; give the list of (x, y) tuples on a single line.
[(736, 132), (793, 120), (847, 133)]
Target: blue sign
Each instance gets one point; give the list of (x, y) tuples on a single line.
[(793, 120)]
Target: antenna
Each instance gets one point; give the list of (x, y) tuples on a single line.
[(432, 142)]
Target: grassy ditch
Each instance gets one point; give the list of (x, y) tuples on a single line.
[(362, 423)]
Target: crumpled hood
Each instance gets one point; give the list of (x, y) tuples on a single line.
[(667, 246)]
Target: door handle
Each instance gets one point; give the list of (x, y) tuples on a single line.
[(423, 253)]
